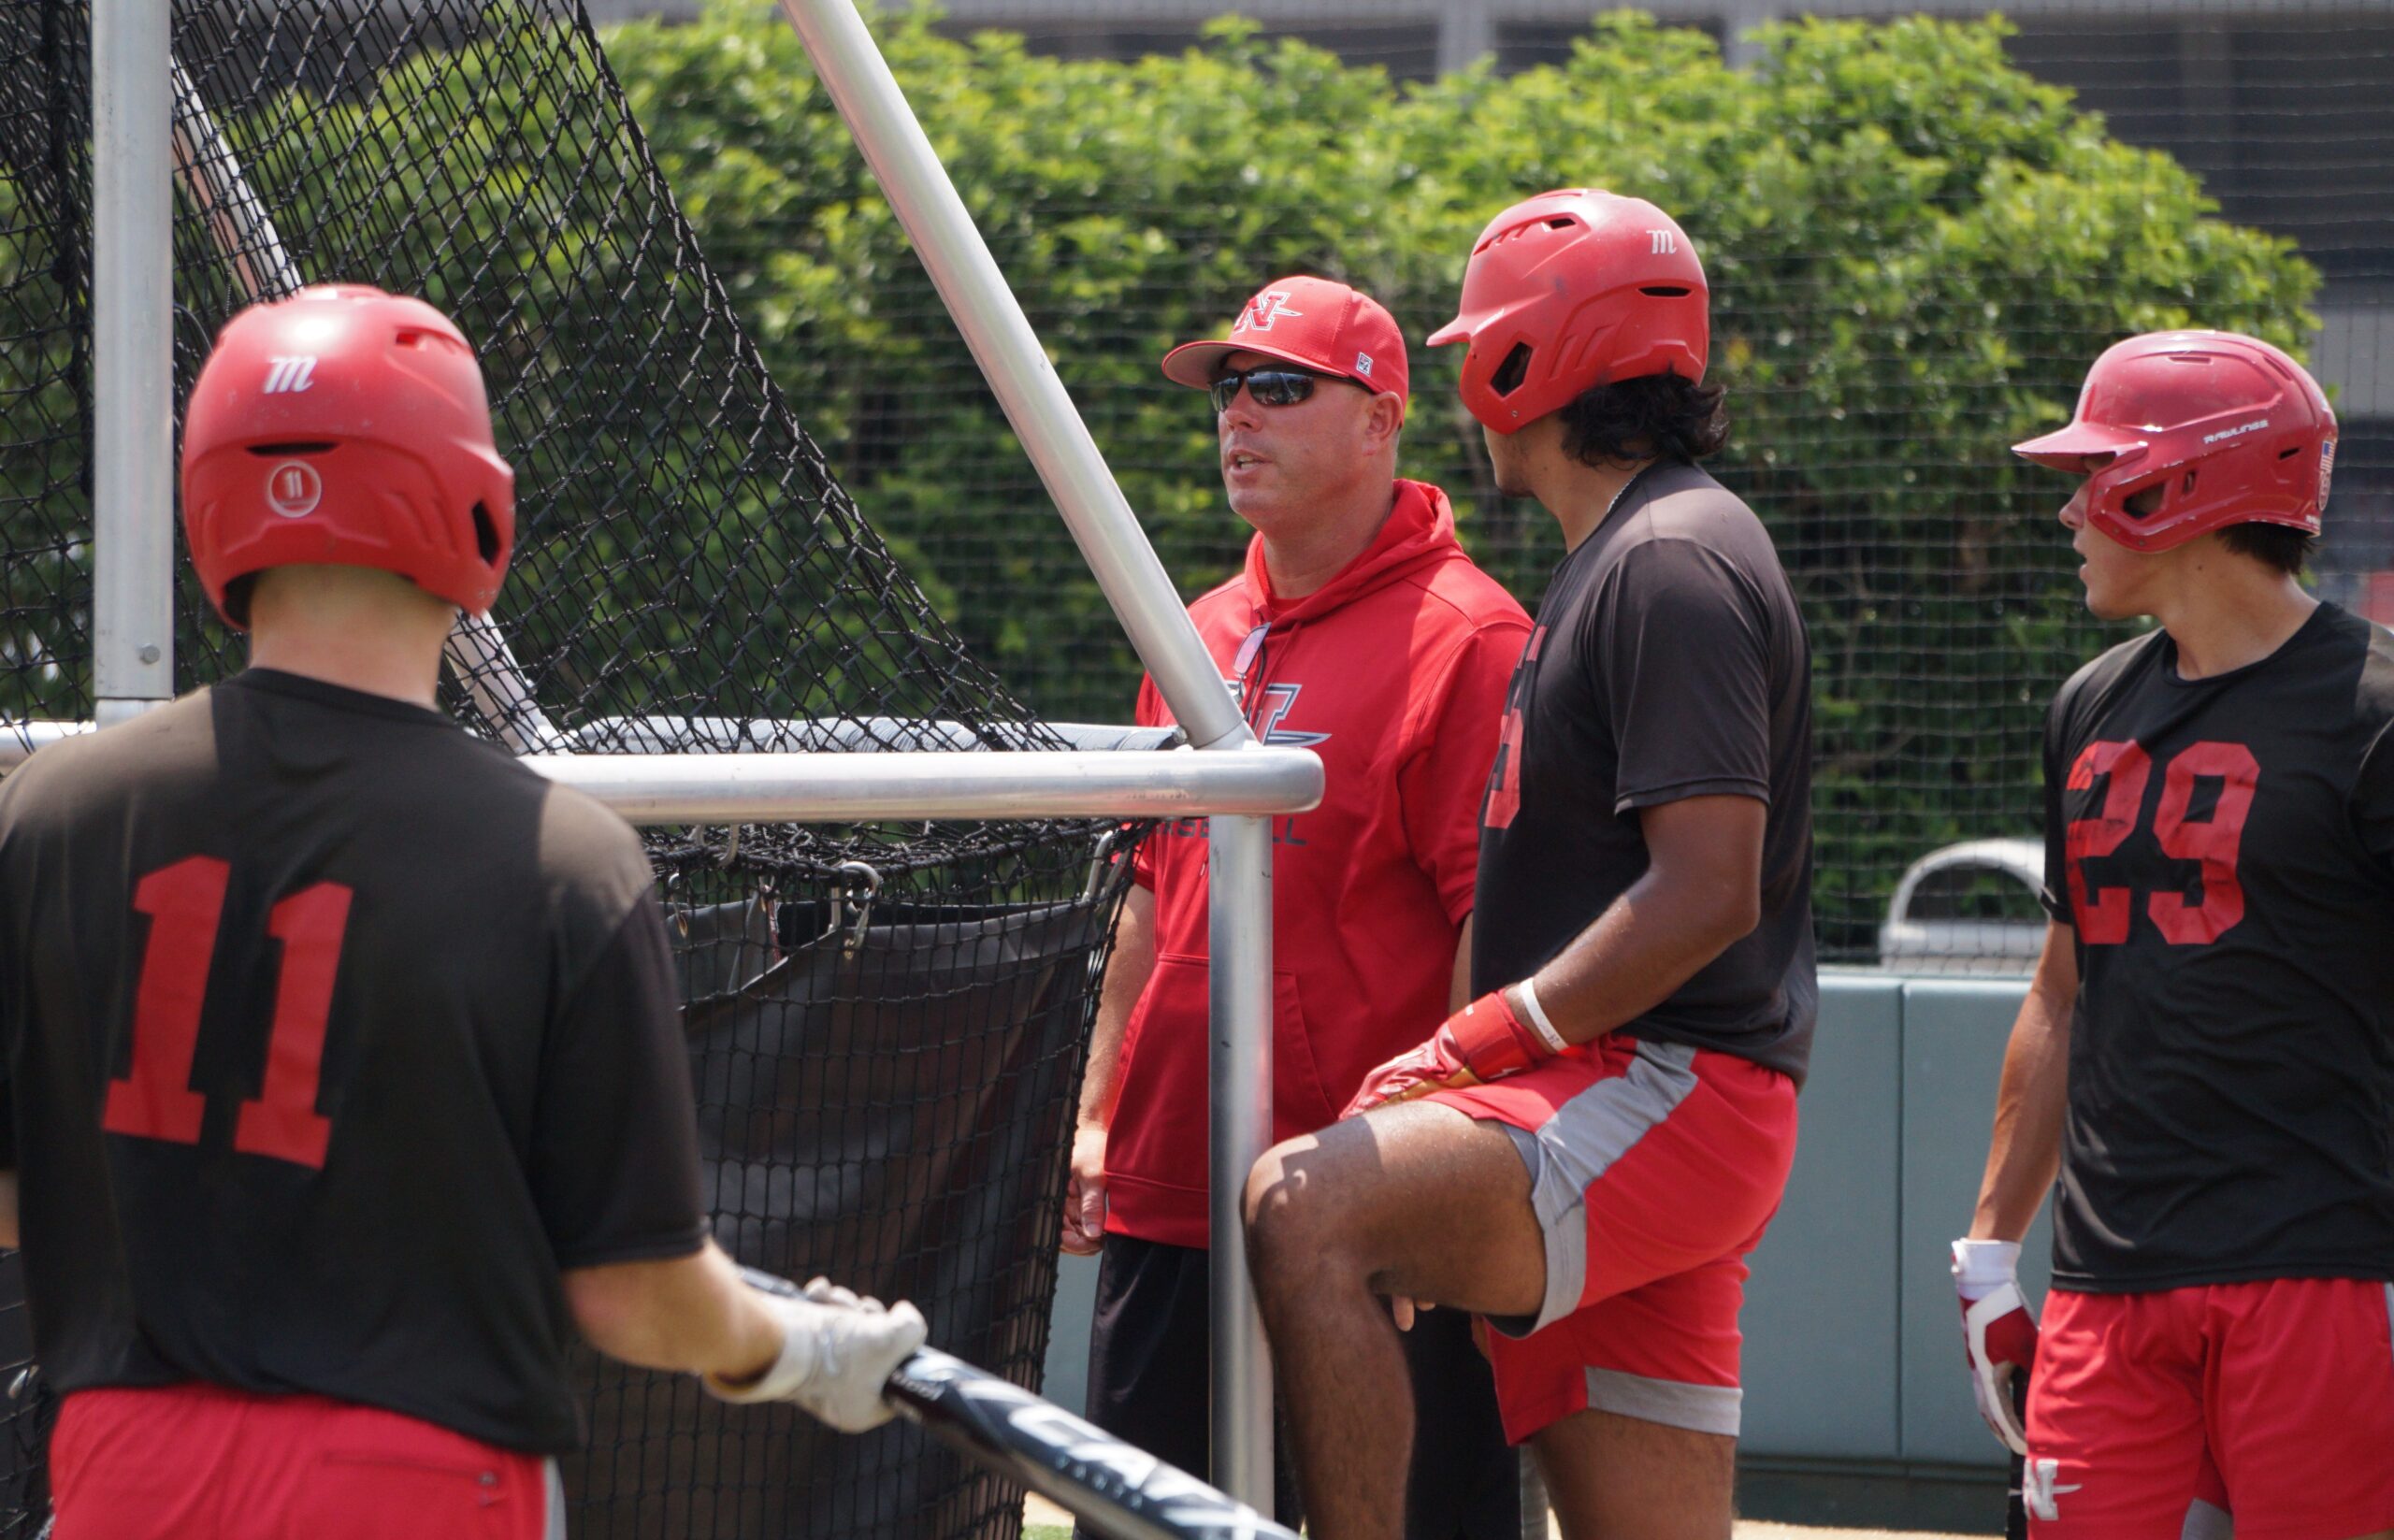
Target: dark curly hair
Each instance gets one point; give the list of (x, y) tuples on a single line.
[(2281, 546), (1655, 416)]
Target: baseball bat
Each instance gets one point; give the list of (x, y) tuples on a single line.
[(1116, 1486), (2015, 1512)]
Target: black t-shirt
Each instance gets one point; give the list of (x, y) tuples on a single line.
[(330, 1035), (1670, 661), (2224, 849)]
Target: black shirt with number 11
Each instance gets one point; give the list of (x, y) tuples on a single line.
[(331, 1035), (2224, 848)]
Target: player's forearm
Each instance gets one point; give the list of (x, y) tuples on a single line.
[(1127, 971), (2030, 1100), (1701, 891), (690, 1313), (1636, 955)]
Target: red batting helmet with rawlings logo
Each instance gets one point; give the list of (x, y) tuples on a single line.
[(347, 428), (2230, 428), (1570, 290)]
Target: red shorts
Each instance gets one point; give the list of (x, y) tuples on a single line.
[(1653, 1168), (2286, 1385), (203, 1463)]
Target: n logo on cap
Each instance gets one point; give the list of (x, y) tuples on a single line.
[(1263, 309)]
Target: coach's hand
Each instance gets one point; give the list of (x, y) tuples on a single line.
[(838, 1352), (1484, 1041), (1997, 1333), (1085, 1194)]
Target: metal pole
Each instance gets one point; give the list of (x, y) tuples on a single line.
[(244, 233), (132, 365), (1239, 1065), (841, 787), (849, 787), (860, 85), (967, 277)]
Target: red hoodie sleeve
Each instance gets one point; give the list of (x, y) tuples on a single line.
[(1443, 779)]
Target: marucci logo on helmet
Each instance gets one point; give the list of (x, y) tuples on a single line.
[(1665, 242), (287, 375)]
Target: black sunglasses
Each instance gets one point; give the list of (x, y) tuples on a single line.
[(1272, 385)]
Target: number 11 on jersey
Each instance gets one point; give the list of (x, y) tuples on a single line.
[(185, 903)]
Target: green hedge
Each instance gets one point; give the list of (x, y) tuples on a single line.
[(1914, 250)]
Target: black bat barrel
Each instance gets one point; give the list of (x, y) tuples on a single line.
[(1116, 1487)]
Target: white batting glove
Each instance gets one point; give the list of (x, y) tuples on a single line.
[(1997, 1333), (838, 1351)]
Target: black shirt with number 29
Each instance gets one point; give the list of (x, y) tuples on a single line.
[(2224, 849), (331, 1035)]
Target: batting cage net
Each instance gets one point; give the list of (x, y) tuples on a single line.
[(1919, 232), (887, 1022)]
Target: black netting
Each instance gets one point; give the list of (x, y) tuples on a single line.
[(887, 1099)]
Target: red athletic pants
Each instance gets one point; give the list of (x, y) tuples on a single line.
[(202, 1463)]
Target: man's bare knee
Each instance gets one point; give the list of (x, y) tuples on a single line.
[(1296, 1212)]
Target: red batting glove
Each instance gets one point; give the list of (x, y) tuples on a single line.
[(1482, 1042)]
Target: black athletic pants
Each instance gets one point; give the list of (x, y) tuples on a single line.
[(1149, 1383)]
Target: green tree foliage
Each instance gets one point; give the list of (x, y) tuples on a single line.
[(1914, 249)]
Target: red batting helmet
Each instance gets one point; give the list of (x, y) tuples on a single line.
[(347, 428), (1571, 289), (2231, 429)]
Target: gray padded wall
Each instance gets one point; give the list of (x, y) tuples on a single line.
[(1821, 1306), (1953, 1035)]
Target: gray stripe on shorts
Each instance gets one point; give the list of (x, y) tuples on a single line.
[(2207, 1521), (1699, 1408), (1580, 1142), (555, 1528)]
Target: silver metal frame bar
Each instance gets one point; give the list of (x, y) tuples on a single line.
[(132, 389), (822, 788), (1043, 418), (844, 787), (1238, 1056), (857, 78), (244, 233), (19, 740)]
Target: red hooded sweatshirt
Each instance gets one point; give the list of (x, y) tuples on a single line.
[(1394, 672)]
